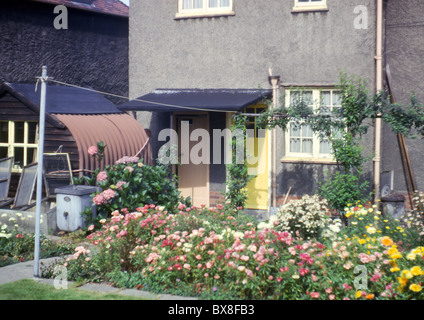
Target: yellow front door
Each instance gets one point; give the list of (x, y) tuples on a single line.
[(257, 160)]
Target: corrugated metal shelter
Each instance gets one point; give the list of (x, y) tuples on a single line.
[(75, 120)]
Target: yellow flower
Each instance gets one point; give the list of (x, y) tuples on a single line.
[(415, 287), (396, 255), (371, 230), (416, 271), (393, 250), (411, 256), (407, 274), (362, 241), (402, 281), (358, 294), (394, 269)]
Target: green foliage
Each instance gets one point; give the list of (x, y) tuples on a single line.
[(238, 176), (129, 184), (348, 152), (344, 188)]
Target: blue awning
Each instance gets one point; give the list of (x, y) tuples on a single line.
[(170, 100)]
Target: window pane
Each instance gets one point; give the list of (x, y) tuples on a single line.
[(32, 132), (336, 99), (325, 147), (4, 132), (3, 152), (295, 145), (326, 98), (307, 146), (31, 155), (294, 130), (307, 132), (19, 132), (307, 97), (225, 3), (197, 4), (18, 157), (213, 3)]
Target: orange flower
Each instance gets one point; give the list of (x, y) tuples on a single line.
[(386, 241), (369, 296)]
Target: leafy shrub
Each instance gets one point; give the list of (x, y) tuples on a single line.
[(130, 184)]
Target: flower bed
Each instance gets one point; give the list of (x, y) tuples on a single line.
[(219, 253), (17, 246)]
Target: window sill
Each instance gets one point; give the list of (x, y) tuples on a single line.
[(327, 161), (181, 16), (310, 9)]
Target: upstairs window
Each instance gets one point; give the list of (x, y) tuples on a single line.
[(200, 8), (310, 5)]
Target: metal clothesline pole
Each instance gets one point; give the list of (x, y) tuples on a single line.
[(43, 79)]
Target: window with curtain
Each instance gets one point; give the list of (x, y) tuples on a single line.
[(187, 8), (301, 142)]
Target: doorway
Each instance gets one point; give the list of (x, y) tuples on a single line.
[(194, 157)]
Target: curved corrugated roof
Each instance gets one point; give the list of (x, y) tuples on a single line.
[(121, 133)]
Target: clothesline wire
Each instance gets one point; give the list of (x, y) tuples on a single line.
[(137, 99)]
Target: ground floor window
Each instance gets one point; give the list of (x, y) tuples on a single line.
[(300, 140), (19, 139)]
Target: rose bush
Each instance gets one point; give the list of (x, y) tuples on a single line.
[(221, 253)]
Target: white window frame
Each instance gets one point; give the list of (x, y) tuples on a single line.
[(315, 156), (205, 11), (310, 6), (11, 144)]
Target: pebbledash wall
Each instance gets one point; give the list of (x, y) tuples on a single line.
[(303, 48), (92, 52), (404, 55)]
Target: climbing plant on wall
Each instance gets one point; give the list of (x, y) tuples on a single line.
[(238, 176), (344, 128)]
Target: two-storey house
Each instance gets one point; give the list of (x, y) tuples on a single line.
[(197, 62)]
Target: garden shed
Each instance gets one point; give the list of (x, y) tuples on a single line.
[(75, 120)]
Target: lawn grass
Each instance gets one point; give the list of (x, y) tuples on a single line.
[(28, 289)]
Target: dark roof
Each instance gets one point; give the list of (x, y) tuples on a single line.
[(111, 7), (167, 100), (66, 100)]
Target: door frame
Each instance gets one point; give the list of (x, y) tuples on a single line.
[(176, 123)]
